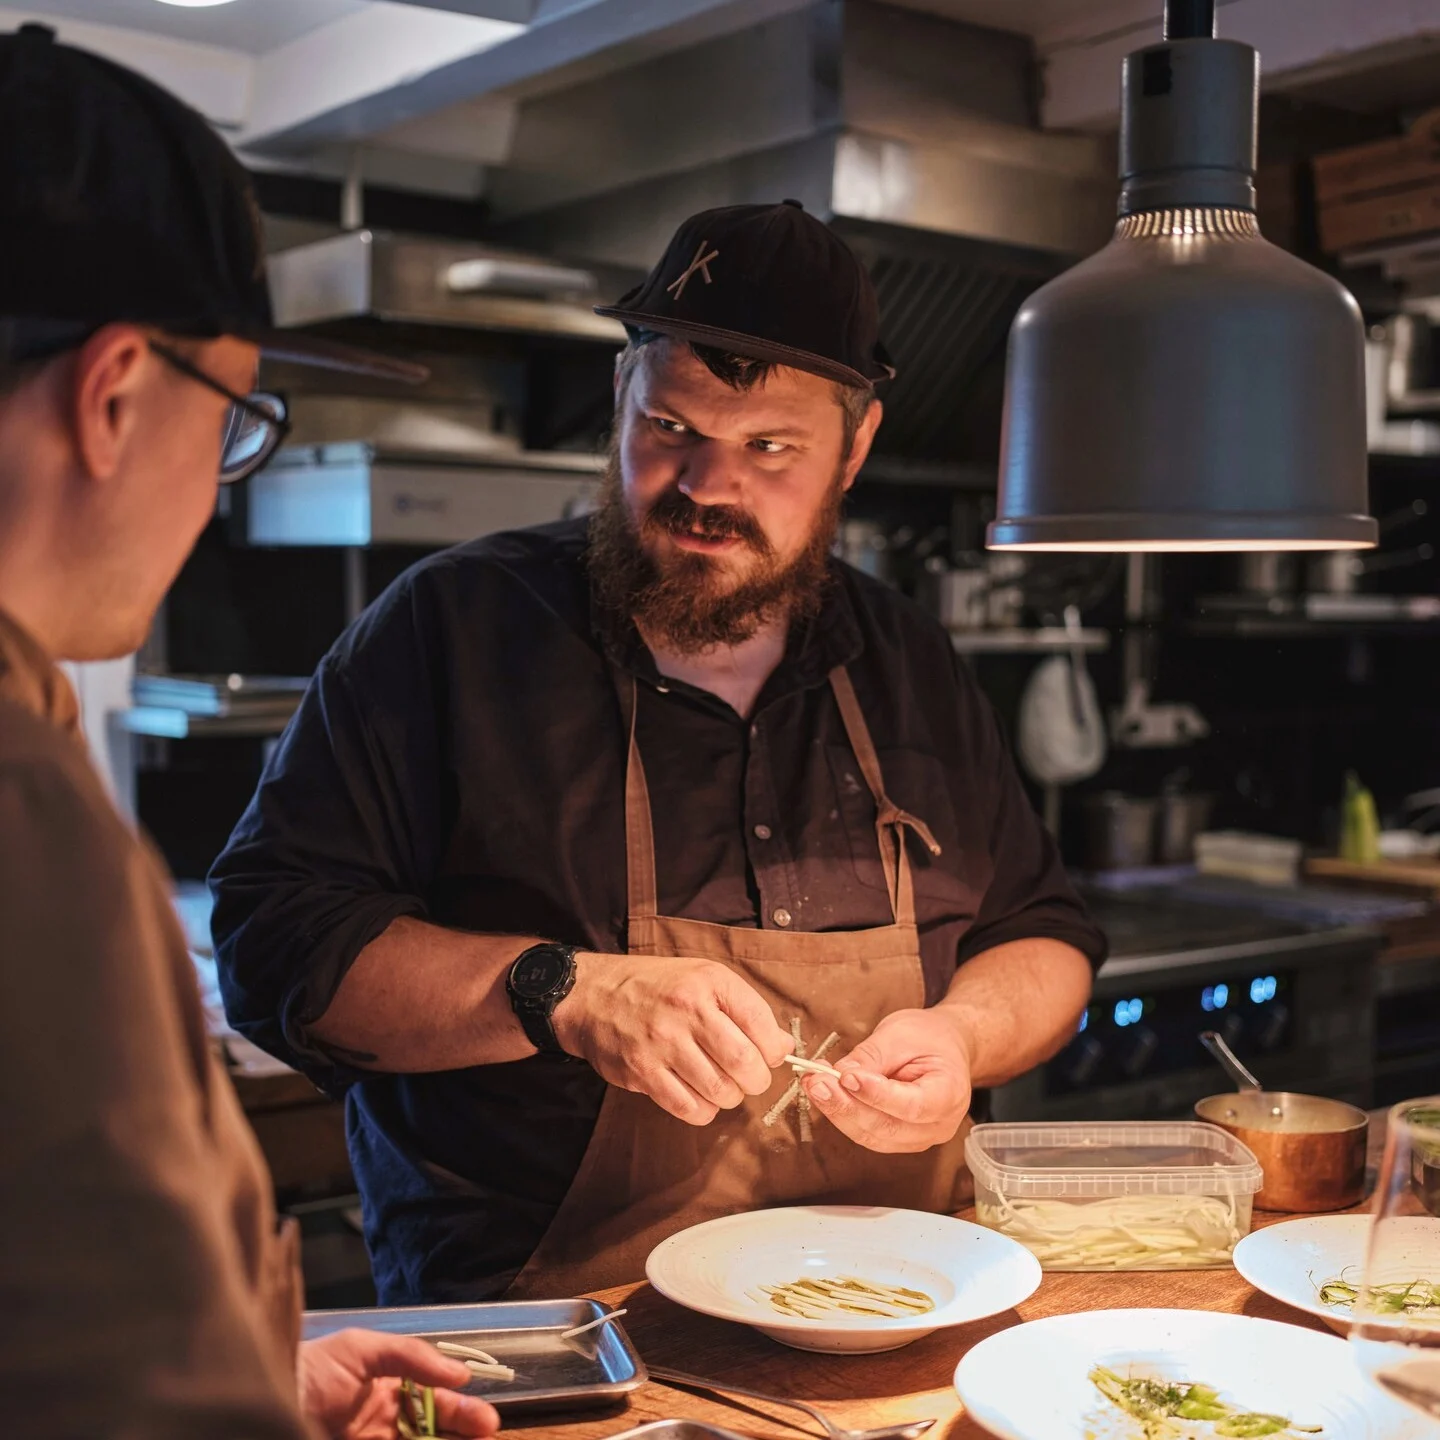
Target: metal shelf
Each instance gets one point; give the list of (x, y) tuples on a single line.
[(165, 723), (1044, 639), (1261, 627)]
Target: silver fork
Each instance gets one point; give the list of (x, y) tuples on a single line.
[(909, 1430)]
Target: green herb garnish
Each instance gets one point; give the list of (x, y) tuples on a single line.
[(417, 1411), (1157, 1404), (1416, 1298)]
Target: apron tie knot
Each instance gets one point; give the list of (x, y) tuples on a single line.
[(892, 814)]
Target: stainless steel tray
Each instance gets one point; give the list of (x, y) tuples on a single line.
[(597, 1368)]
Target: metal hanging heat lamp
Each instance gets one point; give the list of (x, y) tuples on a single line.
[(1191, 386)]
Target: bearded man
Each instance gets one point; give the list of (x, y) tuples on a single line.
[(582, 830)]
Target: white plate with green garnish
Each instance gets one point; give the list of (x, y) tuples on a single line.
[(1317, 1265), (843, 1278), (1174, 1375)]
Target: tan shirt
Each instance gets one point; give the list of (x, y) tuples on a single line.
[(145, 1290)]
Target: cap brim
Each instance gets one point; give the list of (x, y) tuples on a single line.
[(298, 348), (750, 346)]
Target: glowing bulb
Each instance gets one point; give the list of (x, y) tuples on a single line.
[(196, 4)]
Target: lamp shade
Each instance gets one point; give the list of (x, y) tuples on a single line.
[(1190, 386)]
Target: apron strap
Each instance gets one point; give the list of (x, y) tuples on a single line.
[(891, 821), (641, 886)]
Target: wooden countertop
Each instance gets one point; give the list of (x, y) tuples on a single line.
[(867, 1390)]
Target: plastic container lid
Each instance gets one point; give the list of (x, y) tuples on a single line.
[(1084, 1160)]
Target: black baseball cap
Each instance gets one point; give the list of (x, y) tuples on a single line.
[(768, 282), (119, 202)]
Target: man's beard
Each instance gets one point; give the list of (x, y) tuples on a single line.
[(684, 602)]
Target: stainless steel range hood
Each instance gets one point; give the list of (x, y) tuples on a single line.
[(371, 275), (913, 136)]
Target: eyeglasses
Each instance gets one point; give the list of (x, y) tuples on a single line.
[(255, 425)]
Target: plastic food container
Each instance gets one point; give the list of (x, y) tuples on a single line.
[(1142, 1195)]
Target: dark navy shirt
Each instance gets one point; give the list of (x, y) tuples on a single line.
[(459, 756)]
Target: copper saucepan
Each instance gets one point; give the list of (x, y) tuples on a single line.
[(1312, 1150)]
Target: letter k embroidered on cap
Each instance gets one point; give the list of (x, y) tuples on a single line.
[(700, 263)]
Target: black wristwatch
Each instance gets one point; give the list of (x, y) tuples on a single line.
[(538, 981)]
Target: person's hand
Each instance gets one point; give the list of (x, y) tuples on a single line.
[(690, 1034), (350, 1386), (906, 1088)]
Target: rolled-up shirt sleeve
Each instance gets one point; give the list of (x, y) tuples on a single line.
[(1029, 896), (340, 838)]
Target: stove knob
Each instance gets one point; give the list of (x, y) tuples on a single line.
[(1142, 1051), (1272, 1028), (1085, 1055)]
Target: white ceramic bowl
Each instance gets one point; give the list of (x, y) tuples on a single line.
[(1290, 1261), (718, 1267), (1032, 1382)]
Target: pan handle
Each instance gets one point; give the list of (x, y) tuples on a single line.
[(1229, 1061)]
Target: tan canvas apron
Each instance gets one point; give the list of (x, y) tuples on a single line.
[(647, 1175)]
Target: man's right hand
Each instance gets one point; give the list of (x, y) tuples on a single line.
[(690, 1034)]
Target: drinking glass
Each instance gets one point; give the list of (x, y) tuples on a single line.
[(1395, 1325)]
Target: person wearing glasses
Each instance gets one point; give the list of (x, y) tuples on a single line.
[(146, 1288)]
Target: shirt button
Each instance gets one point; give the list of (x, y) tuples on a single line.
[(781, 917), (762, 832)]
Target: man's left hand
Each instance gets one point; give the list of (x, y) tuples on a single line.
[(904, 1089), (350, 1385)]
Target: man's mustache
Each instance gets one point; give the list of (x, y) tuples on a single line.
[(676, 513)]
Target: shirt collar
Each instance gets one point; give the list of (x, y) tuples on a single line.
[(31, 679)]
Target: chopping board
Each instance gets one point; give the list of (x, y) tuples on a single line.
[(1421, 874)]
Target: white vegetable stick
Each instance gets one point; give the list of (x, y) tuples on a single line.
[(490, 1372), (594, 1324), (465, 1352), (811, 1067)]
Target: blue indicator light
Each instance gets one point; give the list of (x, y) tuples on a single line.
[(1214, 997), (1263, 988), (1128, 1012), (1084, 1022)]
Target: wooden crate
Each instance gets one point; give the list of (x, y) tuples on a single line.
[(1386, 190)]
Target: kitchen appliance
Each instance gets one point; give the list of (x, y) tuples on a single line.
[(357, 494), (1312, 1150), (376, 278), (915, 137), (1297, 993), (1192, 386)]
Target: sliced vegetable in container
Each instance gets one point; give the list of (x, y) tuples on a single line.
[(1129, 1232), (1115, 1195)]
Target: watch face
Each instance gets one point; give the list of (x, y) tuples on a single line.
[(539, 973)]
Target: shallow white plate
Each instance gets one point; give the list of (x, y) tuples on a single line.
[(1032, 1382), (716, 1268), (1290, 1261)]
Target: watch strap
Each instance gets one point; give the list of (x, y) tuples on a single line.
[(535, 1012)]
